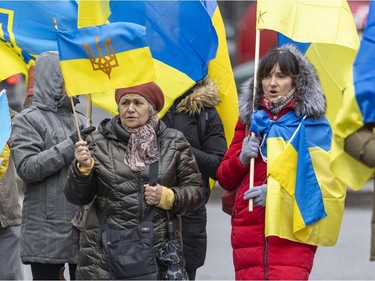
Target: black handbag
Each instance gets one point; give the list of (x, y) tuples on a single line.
[(131, 252)]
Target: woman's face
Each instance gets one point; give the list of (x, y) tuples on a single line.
[(134, 110), (276, 84)]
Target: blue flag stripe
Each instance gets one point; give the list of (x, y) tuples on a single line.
[(123, 37), (363, 69), (307, 191), (174, 32)]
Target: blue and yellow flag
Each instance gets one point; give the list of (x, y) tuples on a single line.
[(27, 29), (181, 54), (357, 109), (305, 202), (220, 71), (5, 121), (102, 58), (325, 32)]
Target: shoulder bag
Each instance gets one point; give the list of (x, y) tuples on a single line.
[(131, 251)]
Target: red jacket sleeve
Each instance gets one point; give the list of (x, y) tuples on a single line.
[(231, 171)]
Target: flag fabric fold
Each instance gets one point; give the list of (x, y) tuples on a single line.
[(220, 71), (357, 109), (181, 55), (27, 29), (325, 32), (103, 58), (304, 201)]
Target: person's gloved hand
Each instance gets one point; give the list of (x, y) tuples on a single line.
[(258, 193), (84, 133), (250, 149)]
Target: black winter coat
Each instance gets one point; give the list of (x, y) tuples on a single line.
[(119, 191), (195, 115)]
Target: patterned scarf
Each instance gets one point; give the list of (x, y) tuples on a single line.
[(142, 147), (281, 102)]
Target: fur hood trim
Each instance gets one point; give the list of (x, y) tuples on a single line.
[(204, 94), (309, 101)]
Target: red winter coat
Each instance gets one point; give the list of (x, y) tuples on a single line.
[(255, 256)]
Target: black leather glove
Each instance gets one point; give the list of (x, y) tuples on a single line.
[(84, 133)]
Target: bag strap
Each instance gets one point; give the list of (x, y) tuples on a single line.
[(150, 210), (170, 226)]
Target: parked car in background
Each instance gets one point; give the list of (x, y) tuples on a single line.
[(16, 91)]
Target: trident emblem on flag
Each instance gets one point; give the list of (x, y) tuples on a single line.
[(103, 63)]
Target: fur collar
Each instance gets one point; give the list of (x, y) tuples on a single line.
[(310, 99), (204, 94)]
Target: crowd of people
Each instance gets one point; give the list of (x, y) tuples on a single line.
[(72, 173)]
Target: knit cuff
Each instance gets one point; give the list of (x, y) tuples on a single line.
[(167, 198), (85, 170)]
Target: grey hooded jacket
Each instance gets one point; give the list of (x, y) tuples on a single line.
[(42, 153)]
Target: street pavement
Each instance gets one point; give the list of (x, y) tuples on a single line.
[(347, 260)]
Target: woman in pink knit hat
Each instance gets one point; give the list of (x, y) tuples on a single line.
[(112, 168)]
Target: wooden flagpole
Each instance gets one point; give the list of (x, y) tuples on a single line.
[(71, 98), (75, 118), (88, 111), (256, 61)]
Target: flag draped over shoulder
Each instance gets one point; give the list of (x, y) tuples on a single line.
[(5, 121), (357, 109), (305, 203), (181, 55), (106, 57), (27, 30)]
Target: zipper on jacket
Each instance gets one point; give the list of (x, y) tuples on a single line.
[(141, 199), (265, 258)]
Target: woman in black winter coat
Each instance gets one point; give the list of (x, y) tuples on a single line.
[(113, 168), (194, 114)]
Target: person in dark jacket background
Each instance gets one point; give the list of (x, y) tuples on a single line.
[(194, 114), (42, 146), (361, 145), (113, 166)]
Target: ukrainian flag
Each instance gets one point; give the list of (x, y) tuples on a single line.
[(220, 70), (103, 58), (357, 109), (305, 203), (325, 32), (27, 30), (181, 54)]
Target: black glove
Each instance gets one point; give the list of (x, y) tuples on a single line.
[(84, 133)]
